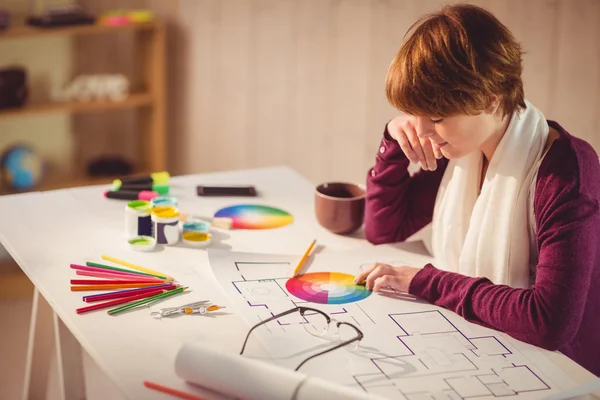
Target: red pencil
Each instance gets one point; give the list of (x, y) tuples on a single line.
[(118, 301), (112, 281), (125, 293), (172, 392)]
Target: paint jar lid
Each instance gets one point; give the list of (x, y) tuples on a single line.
[(196, 239), (142, 243), (165, 212), (196, 226), (139, 205), (164, 201)]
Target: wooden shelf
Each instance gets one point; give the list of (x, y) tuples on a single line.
[(30, 31), (68, 182), (148, 47), (132, 101)]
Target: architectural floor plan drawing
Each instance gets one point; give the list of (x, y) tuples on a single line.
[(411, 350), (437, 355)]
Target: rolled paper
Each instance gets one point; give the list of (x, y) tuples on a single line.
[(244, 378)]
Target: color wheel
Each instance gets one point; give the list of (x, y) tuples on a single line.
[(252, 216), (326, 288)]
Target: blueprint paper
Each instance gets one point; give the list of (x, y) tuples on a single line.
[(411, 349)]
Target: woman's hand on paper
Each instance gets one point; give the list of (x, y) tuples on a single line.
[(381, 276), (413, 135)]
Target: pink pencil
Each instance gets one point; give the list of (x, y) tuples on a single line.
[(94, 269), (111, 303), (113, 282), (107, 275)]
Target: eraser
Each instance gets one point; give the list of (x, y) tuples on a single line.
[(222, 222)]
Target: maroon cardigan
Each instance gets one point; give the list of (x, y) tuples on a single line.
[(561, 311)]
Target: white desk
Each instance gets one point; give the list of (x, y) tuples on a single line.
[(45, 232)]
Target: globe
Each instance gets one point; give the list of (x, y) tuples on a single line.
[(22, 168)]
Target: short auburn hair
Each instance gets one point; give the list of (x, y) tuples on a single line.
[(455, 62)]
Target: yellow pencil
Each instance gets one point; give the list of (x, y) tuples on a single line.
[(136, 267), (304, 257)]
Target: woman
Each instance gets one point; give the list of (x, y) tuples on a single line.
[(512, 198)]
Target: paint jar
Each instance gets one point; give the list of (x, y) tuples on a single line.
[(165, 224), (195, 233), (137, 219)]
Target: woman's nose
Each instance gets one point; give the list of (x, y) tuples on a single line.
[(424, 127)]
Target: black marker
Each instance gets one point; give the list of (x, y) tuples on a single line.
[(226, 190), (146, 195)]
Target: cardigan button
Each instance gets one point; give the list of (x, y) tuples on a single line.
[(382, 149), (373, 172)]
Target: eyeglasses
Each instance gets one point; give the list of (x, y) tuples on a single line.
[(318, 325)]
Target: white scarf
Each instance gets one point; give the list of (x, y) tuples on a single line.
[(488, 235)]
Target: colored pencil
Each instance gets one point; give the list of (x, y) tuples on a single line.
[(145, 301), (103, 266), (110, 275), (134, 266), (304, 257), (124, 293), (111, 303), (81, 288), (112, 281), (112, 270), (171, 391)]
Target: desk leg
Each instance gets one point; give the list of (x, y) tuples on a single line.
[(39, 349), (51, 342), (70, 362)]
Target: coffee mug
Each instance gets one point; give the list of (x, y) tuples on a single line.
[(340, 206)]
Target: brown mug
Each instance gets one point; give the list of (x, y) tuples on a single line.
[(340, 206)]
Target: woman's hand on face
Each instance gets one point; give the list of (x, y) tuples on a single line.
[(381, 276), (413, 137)]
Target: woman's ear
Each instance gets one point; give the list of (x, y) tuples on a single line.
[(494, 105)]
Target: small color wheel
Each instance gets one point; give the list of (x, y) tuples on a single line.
[(142, 243), (326, 288), (197, 239), (255, 216)]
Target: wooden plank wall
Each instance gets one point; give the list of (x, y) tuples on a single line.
[(301, 82)]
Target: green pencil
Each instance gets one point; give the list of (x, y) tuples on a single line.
[(96, 265), (144, 301)]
